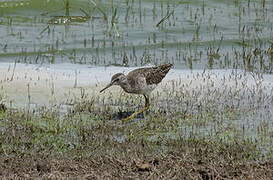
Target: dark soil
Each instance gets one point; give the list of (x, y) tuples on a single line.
[(171, 166), (34, 147)]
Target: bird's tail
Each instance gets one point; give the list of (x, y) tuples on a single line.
[(165, 67)]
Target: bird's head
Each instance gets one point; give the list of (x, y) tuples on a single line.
[(116, 79)]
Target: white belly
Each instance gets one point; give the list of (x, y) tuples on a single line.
[(147, 89)]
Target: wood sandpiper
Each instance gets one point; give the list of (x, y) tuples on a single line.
[(140, 81)]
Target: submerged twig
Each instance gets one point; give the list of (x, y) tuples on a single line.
[(100, 10), (76, 79), (11, 79), (164, 18), (46, 28), (84, 12)]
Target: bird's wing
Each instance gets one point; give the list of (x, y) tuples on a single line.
[(153, 75), (156, 74)]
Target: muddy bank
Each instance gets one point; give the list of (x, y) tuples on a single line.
[(174, 165)]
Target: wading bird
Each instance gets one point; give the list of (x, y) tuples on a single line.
[(140, 81)]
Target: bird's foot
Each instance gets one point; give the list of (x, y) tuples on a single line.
[(132, 116)]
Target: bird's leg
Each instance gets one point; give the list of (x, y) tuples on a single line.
[(146, 107), (147, 102)]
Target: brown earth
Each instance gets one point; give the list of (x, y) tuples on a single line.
[(171, 166), (30, 150)]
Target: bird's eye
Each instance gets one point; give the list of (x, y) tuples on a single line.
[(117, 79)]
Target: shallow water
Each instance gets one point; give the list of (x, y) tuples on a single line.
[(221, 51), (58, 80), (248, 97), (196, 34)]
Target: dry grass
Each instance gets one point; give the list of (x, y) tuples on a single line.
[(192, 161), (83, 145)]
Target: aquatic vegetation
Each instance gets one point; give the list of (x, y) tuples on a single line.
[(187, 34), (200, 117)]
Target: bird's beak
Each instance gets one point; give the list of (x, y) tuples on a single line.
[(109, 85)]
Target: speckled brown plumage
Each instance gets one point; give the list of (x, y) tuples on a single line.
[(153, 75), (140, 81)]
